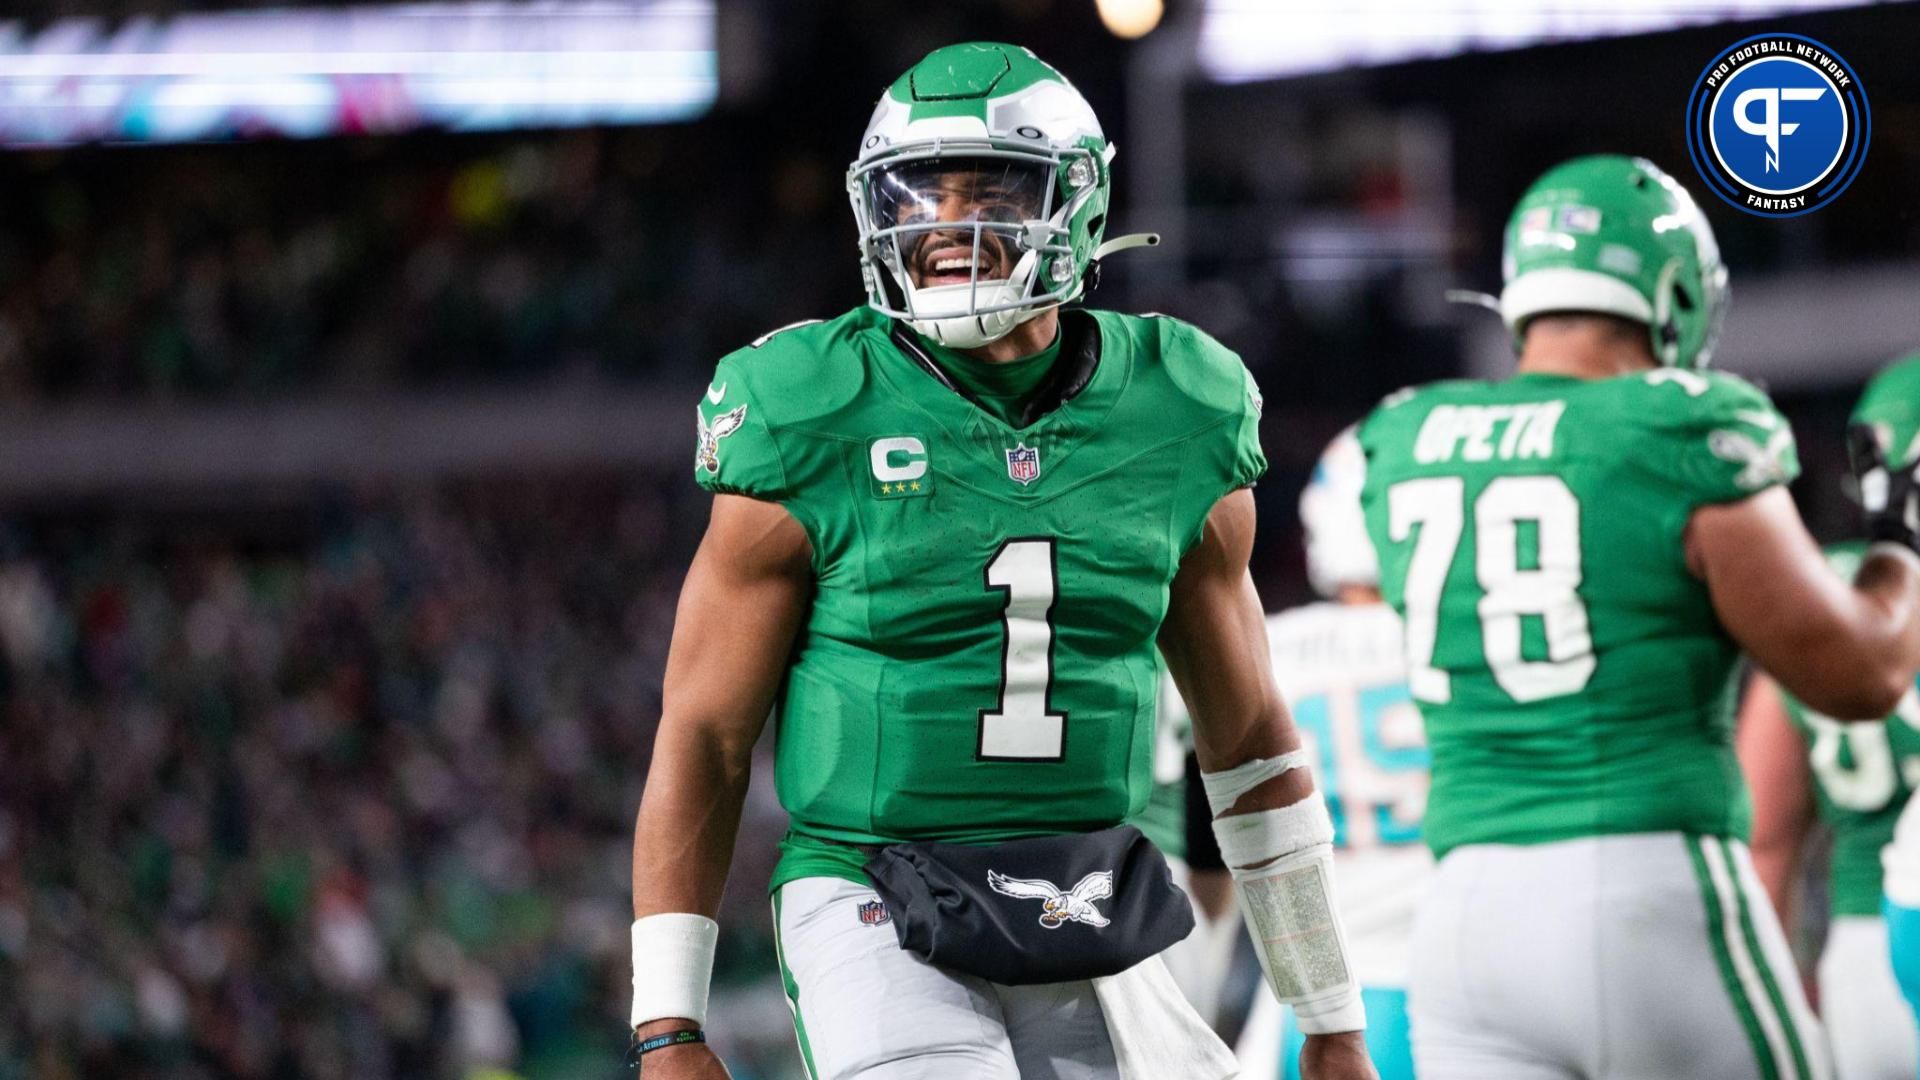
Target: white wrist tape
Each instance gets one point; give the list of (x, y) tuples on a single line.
[(672, 966), (1225, 788), (1282, 865)]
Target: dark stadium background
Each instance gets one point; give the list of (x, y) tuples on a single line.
[(345, 493)]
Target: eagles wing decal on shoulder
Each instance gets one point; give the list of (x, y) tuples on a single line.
[(1760, 465), (708, 455), (1056, 907)]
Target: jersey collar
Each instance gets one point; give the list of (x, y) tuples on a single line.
[(1078, 361)]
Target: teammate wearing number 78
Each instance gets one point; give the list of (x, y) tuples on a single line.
[(1579, 553), (949, 529)]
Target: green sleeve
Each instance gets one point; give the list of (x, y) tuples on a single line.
[(736, 451), (1215, 375), (1725, 439), (1216, 400), (1249, 461)]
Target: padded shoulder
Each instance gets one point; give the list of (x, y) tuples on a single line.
[(1211, 377), (806, 370), (1718, 437), (785, 377), (1197, 365), (1405, 403)]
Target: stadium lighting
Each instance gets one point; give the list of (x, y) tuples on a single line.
[(1131, 19)]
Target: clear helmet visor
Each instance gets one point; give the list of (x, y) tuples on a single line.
[(946, 222)]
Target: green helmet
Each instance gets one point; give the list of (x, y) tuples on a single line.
[(984, 175), (1616, 235), (1891, 407)]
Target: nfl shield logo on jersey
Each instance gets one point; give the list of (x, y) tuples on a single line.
[(874, 913), (1023, 464)]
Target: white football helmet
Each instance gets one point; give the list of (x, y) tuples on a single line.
[(1338, 550)]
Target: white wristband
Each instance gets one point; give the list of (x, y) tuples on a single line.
[(1225, 788), (1282, 866), (672, 966)]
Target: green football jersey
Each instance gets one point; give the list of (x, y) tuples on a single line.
[(1863, 775), (1164, 820), (1572, 673), (978, 662)]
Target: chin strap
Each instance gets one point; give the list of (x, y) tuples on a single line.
[(1122, 243)]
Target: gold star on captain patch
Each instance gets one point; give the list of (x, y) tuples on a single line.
[(916, 485), (886, 489)]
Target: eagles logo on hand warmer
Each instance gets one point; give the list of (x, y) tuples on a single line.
[(1074, 905)]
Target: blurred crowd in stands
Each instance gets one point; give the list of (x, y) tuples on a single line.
[(343, 791), (275, 267)]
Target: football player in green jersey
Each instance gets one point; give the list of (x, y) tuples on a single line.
[(949, 529), (1580, 553), (1853, 779)]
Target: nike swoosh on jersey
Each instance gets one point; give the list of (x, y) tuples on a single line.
[(715, 393)]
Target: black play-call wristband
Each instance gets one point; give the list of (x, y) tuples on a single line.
[(642, 1047)]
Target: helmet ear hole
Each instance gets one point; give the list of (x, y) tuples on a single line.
[(1682, 298)]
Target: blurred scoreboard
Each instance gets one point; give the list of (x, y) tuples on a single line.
[(1249, 40), (363, 70)]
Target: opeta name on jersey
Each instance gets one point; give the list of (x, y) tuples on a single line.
[(1488, 432)]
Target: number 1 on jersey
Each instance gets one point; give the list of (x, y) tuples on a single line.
[(1023, 727)]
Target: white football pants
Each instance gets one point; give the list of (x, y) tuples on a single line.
[(1201, 961), (866, 1009), (1867, 1019), (1653, 956)]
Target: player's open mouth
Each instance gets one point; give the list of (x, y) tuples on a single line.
[(954, 265)]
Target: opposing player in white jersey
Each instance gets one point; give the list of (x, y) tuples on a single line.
[(1902, 864), (1341, 665)]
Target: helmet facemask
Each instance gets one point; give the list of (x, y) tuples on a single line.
[(967, 239)]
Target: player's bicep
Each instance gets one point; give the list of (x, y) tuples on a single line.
[(745, 597), (1777, 597), (1214, 640)]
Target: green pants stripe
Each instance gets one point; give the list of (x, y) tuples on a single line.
[(1768, 977), (1739, 967), (793, 993)]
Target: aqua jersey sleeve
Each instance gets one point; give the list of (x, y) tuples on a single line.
[(735, 451), (1725, 439)]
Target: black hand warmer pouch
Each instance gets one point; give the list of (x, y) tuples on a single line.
[(1051, 909)]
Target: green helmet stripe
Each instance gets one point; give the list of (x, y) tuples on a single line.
[(976, 70)]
